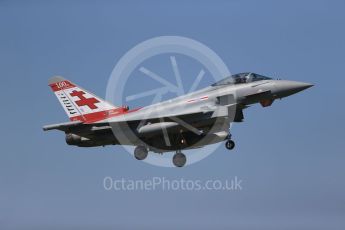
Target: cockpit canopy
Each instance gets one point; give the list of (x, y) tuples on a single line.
[(241, 78)]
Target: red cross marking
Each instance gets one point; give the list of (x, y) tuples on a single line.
[(83, 100)]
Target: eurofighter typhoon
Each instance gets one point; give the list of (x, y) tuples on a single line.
[(190, 121)]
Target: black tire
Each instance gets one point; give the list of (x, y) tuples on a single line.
[(179, 159), (140, 153), (230, 144)]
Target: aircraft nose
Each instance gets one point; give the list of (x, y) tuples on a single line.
[(287, 88)]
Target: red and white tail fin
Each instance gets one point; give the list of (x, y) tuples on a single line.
[(81, 105)]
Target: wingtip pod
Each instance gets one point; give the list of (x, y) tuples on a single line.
[(62, 126)]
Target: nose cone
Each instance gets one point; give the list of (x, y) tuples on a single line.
[(287, 88)]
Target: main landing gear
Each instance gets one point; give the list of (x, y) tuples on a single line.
[(140, 152), (229, 144), (179, 159)]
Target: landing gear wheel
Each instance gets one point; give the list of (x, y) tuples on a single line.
[(230, 144), (140, 152), (179, 159)]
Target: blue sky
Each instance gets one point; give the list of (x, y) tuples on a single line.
[(290, 156)]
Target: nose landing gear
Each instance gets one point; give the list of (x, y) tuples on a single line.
[(229, 144)]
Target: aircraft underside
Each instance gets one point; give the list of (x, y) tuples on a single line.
[(211, 131)]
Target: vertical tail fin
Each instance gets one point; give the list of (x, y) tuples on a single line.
[(79, 104)]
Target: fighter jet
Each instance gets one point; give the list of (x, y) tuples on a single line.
[(190, 121)]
